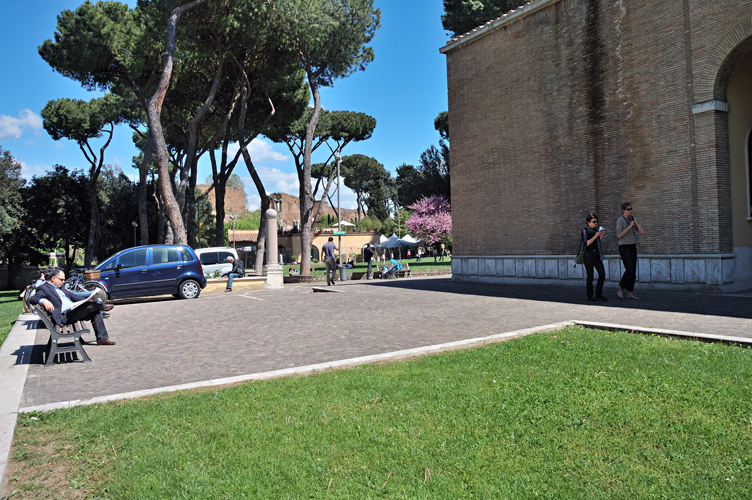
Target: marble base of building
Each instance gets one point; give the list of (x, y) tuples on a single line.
[(719, 273)]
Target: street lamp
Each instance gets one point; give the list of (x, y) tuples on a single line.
[(233, 230), (134, 232), (342, 271)]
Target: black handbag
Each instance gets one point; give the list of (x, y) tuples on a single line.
[(580, 257)]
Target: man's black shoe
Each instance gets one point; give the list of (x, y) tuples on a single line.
[(602, 298), (592, 299)]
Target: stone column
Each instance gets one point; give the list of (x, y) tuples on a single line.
[(272, 270)]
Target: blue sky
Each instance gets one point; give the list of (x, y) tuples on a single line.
[(404, 89)]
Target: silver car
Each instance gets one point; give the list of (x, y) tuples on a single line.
[(215, 259)]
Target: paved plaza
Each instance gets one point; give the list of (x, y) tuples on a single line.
[(167, 342)]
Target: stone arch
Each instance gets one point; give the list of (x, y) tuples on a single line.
[(722, 60)]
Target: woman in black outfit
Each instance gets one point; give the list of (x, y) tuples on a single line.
[(593, 258)]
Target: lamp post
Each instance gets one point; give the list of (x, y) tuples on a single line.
[(135, 225), (342, 271), (233, 230)]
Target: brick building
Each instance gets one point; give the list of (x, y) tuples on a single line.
[(234, 200), (563, 107)]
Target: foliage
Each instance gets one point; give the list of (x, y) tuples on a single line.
[(368, 224), (461, 16), (396, 225), (11, 183), (10, 308), (330, 36), (441, 123), (57, 208), (365, 176), (119, 209), (205, 222), (574, 413), (431, 220), (249, 220), (432, 176)]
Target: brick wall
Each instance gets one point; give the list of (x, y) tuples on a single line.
[(580, 105)]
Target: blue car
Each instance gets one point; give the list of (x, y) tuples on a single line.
[(153, 270)]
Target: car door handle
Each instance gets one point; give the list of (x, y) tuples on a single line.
[(179, 267), (144, 270)]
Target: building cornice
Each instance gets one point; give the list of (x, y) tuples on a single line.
[(490, 26)]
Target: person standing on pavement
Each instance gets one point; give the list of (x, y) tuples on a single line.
[(593, 258), (329, 260), (626, 230), (237, 271), (368, 257)]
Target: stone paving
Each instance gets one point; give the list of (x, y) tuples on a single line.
[(163, 342)]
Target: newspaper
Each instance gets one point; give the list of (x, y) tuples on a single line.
[(91, 298)]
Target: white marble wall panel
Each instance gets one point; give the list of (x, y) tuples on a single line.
[(529, 268), (643, 273), (509, 267), (457, 266), (519, 268), (472, 266), (660, 269), (614, 269), (713, 272), (490, 267), (694, 270), (728, 270), (677, 270), (563, 269), (540, 268), (499, 267), (575, 272), (551, 268)]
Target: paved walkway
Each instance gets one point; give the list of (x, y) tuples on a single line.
[(169, 342)]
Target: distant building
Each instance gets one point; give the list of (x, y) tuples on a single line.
[(563, 107), (234, 200)]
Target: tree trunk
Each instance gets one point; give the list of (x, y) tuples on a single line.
[(93, 241), (143, 172), (306, 199), (154, 113), (219, 207)]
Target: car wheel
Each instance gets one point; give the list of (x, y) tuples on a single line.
[(189, 289)]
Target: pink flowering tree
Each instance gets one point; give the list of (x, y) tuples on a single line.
[(431, 220)]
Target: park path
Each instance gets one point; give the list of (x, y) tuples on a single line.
[(166, 342)]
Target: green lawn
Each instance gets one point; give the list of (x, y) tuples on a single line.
[(10, 308), (425, 264), (570, 414)]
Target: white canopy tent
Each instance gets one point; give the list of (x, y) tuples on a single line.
[(344, 223), (395, 242)]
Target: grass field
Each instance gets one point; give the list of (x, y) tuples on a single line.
[(569, 414), (425, 264), (10, 308)]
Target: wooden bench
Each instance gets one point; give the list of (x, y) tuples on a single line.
[(404, 272), (62, 340)]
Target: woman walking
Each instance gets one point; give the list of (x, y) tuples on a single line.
[(626, 229), (593, 258)]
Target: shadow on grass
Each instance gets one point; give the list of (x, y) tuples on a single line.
[(650, 300)]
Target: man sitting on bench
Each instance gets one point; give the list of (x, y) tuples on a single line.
[(58, 300)]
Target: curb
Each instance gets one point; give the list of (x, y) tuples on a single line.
[(15, 355)]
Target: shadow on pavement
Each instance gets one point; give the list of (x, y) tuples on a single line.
[(650, 300)]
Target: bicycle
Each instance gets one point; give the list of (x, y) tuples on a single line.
[(77, 283)]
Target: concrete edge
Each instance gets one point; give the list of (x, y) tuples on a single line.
[(305, 370), (658, 331), (15, 355)]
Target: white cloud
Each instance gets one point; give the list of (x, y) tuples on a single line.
[(277, 181), (260, 150), (252, 202), (14, 127), (28, 172)]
